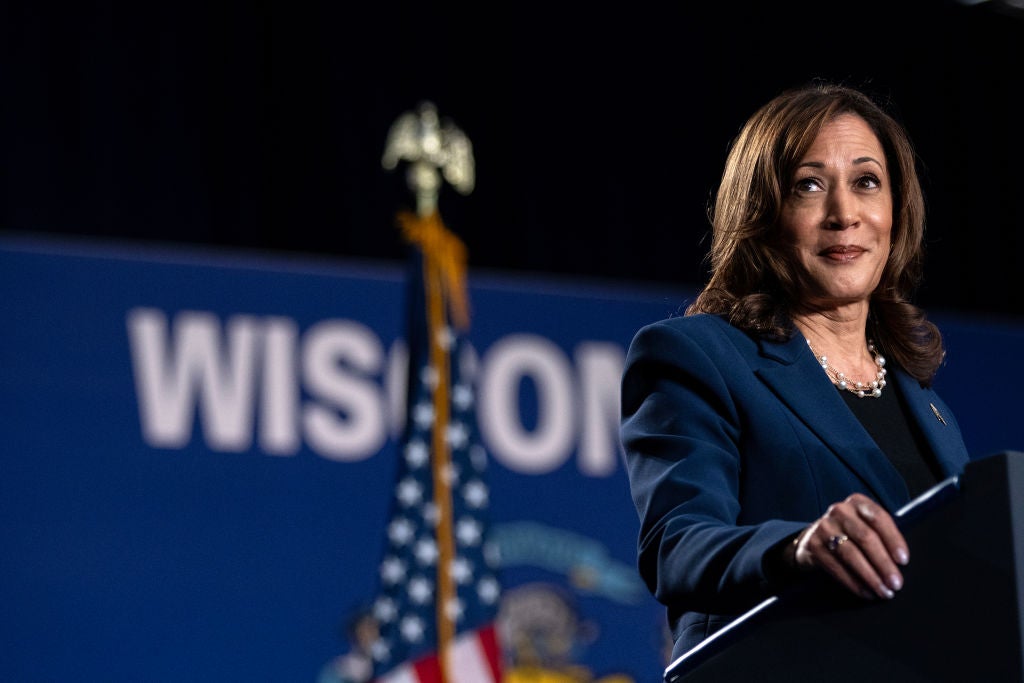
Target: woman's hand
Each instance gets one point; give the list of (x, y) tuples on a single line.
[(858, 543)]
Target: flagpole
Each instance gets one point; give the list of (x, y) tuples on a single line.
[(444, 282), (441, 465), (444, 274)]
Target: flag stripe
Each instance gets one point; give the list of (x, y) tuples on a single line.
[(492, 651), (428, 671), (403, 674), (470, 663), (475, 659)]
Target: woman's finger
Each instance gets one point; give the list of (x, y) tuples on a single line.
[(860, 563), (885, 526), (859, 544)]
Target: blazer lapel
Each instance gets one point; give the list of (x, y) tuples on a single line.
[(791, 371), (938, 427)]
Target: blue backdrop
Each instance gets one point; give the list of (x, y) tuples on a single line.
[(200, 452)]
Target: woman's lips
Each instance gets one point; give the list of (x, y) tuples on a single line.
[(842, 252)]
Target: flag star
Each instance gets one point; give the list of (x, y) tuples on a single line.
[(454, 609), (400, 531), (412, 628), (380, 650), (488, 590), (392, 570), (457, 435), (409, 492), (429, 376), (426, 551), (462, 396), (475, 494), (431, 515), (445, 338), (421, 590), (384, 609), (467, 531), (423, 415), (462, 570), (416, 453), (451, 473)]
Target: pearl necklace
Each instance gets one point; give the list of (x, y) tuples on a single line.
[(861, 389)]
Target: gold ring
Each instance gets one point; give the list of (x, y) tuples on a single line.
[(836, 541)]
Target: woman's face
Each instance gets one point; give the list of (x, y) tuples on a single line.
[(837, 215)]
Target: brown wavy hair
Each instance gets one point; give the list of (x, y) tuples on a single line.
[(753, 281)]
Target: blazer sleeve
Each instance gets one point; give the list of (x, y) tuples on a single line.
[(680, 430)]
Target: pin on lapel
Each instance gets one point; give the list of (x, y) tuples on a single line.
[(937, 413)]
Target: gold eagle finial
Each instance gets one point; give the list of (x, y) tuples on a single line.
[(434, 148)]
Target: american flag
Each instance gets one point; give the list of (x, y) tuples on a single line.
[(439, 592)]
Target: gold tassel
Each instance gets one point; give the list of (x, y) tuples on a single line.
[(444, 254)]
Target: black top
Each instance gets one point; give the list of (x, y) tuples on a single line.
[(885, 419)]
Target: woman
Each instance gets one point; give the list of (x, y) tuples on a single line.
[(775, 428)]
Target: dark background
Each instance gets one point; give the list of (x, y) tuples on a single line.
[(599, 132)]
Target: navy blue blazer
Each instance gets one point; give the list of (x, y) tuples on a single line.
[(733, 444)]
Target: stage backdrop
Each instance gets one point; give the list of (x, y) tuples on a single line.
[(200, 452)]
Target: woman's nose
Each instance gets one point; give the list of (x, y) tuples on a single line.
[(842, 209)]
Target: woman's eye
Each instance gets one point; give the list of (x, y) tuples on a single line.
[(807, 185), (869, 181)]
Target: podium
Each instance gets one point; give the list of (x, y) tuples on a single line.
[(957, 618)]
